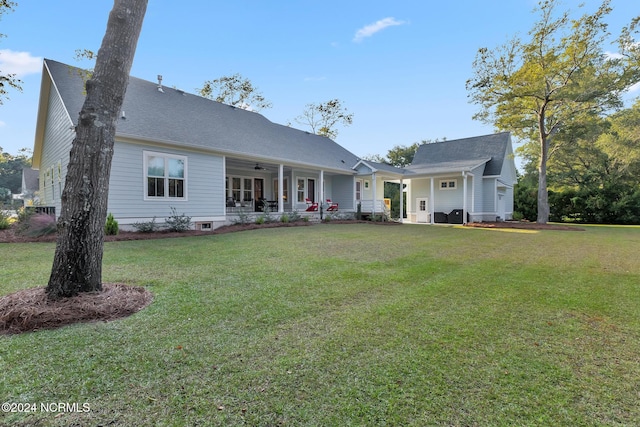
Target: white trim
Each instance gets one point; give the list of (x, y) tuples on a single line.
[(448, 181), (166, 156)]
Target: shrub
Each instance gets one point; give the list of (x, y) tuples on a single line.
[(178, 223), (284, 218), (4, 220), (40, 225), (295, 216), (260, 220), (111, 227), (327, 218), (146, 227), (242, 218)]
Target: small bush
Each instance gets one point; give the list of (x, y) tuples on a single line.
[(4, 220), (40, 225), (146, 227), (111, 227), (260, 220), (327, 218), (295, 216), (242, 218), (178, 223), (284, 218), (24, 214)]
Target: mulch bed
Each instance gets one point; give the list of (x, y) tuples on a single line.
[(30, 310)]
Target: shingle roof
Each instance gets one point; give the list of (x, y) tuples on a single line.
[(491, 149), (176, 117)]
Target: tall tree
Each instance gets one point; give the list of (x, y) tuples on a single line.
[(323, 118), (541, 88), (77, 264), (8, 80), (234, 90)]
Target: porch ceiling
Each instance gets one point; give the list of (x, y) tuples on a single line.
[(258, 166)]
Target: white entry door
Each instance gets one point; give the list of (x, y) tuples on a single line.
[(422, 214)]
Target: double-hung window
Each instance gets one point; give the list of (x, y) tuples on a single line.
[(448, 184), (165, 176)]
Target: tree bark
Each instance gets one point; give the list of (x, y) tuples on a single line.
[(543, 194), (77, 264)]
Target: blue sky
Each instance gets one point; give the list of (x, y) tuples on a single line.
[(400, 67)]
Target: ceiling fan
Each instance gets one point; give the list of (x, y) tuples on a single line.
[(259, 168)]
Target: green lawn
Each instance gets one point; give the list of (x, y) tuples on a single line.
[(345, 325)]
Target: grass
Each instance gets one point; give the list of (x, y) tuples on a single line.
[(350, 325)]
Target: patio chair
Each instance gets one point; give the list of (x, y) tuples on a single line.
[(333, 207), (311, 206)]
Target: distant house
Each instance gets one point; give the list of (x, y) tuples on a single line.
[(211, 161), (30, 185)]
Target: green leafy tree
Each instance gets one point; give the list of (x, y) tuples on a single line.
[(234, 90), (542, 88), (597, 177), (11, 169), (77, 263), (7, 81), (324, 118)]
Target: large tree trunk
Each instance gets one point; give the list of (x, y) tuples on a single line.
[(77, 265), (543, 195)]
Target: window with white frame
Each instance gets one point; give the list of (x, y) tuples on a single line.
[(448, 184), (165, 176)]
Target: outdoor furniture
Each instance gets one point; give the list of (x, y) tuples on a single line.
[(311, 206), (333, 207)]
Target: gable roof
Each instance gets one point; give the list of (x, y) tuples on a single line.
[(463, 154), (177, 118)]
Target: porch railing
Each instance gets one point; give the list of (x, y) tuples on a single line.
[(368, 206)]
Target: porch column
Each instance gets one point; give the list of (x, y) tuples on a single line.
[(280, 188), (401, 199), (464, 195), (373, 189), (321, 186), (432, 203)]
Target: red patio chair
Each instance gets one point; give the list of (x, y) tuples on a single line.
[(311, 206), (333, 207)]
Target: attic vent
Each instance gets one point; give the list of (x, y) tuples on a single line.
[(160, 83)]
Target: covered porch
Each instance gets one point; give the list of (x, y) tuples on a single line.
[(257, 186)]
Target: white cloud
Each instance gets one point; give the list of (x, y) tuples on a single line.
[(635, 88), (19, 63), (315, 79), (371, 29)]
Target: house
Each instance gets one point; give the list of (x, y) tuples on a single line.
[(208, 160), (463, 180)]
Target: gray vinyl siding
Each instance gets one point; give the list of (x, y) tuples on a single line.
[(57, 139), (448, 200), (476, 181), (342, 191), (204, 186), (489, 190)]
